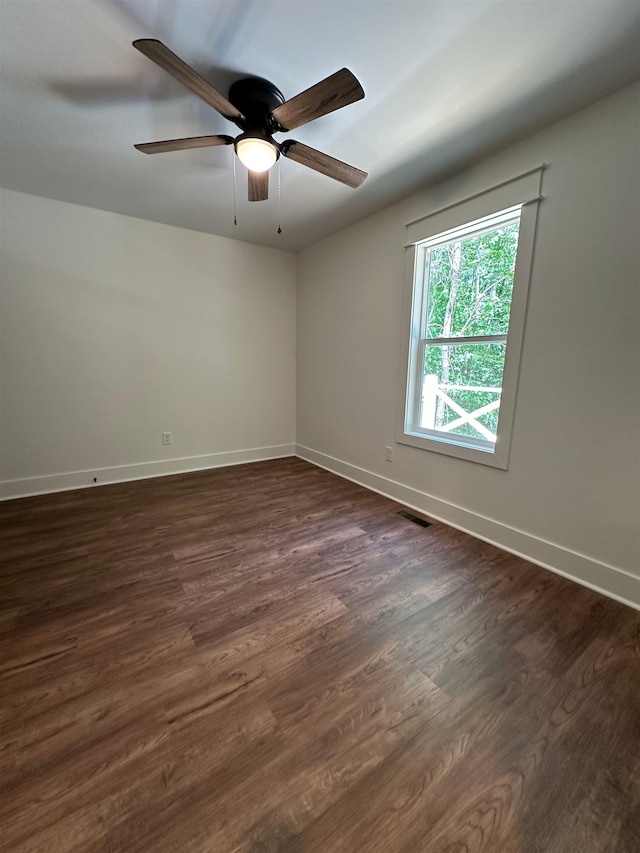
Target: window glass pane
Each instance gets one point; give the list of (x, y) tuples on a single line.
[(470, 282), (461, 387)]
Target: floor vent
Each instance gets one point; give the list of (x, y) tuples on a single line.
[(416, 519)]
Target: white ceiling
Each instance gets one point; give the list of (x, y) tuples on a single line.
[(446, 81)]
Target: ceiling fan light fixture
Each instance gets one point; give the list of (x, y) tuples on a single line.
[(256, 154)]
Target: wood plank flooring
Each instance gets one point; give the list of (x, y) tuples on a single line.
[(268, 658)]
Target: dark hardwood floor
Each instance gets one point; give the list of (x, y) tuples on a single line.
[(268, 658)]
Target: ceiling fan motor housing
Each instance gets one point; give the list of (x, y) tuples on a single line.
[(256, 97)]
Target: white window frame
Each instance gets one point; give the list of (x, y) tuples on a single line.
[(519, 194)]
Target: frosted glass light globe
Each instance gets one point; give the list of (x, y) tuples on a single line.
[(258, 155)]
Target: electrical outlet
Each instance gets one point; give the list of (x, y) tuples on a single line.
[(388, 453), (167, 438)]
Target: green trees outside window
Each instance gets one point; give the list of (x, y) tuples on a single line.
[(468, 288)]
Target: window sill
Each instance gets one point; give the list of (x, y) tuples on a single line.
[(494, 458)]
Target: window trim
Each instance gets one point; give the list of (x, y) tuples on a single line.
[(523, 193)]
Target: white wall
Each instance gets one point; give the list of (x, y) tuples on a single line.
[(571, 496), (114, 329)]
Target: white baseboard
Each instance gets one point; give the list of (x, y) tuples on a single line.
[(123, 473), (610, 581)]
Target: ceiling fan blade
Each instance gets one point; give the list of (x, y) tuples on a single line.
[(332, 93), (182, 144), (258, 186), (320, 162), (166, 59)]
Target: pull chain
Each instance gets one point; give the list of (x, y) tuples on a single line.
[(235, 219), (279, 206)]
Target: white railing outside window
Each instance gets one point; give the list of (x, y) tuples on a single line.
[(432, 392)]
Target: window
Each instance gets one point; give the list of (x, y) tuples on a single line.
[(468, 292)]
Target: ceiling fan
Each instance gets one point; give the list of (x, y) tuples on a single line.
[(259, 109)]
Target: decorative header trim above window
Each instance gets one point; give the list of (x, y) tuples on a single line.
[(514, 192)]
